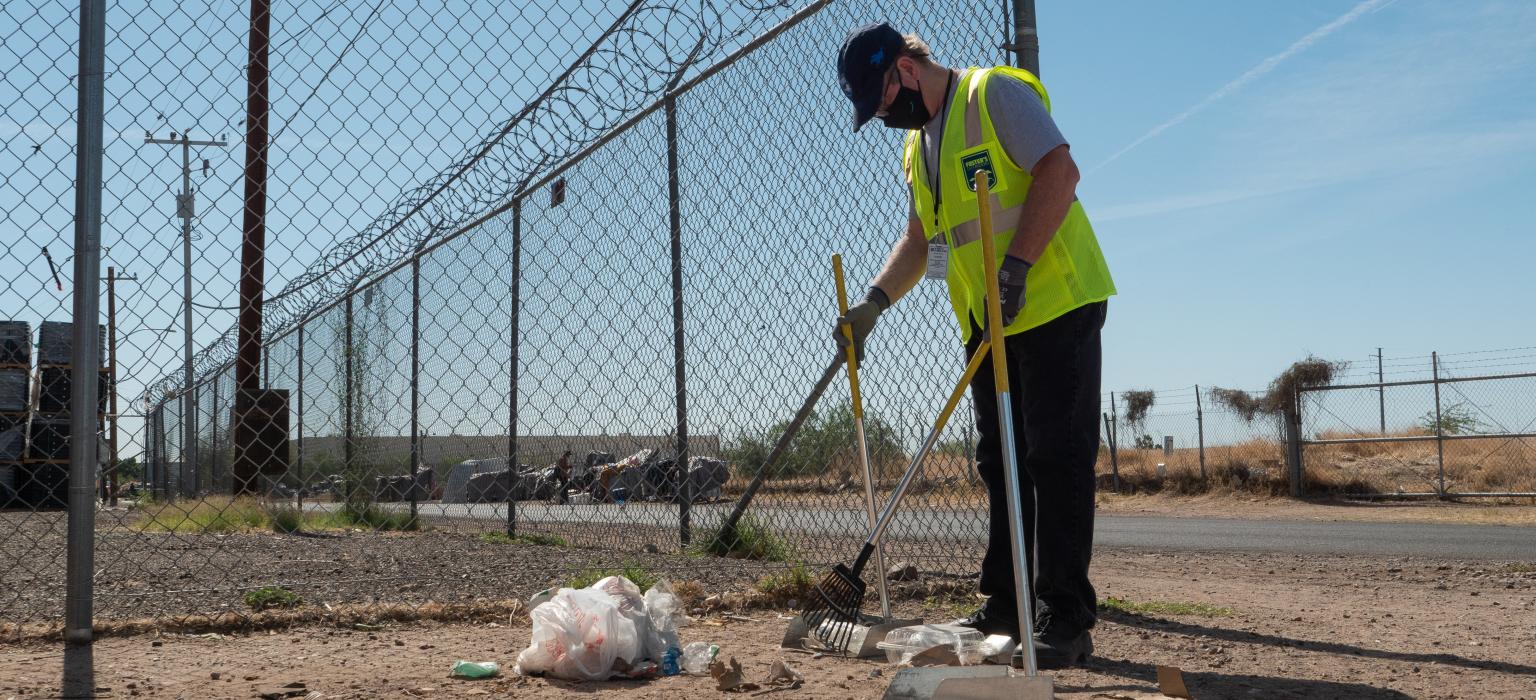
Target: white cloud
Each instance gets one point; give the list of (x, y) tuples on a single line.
[(1252, 74)]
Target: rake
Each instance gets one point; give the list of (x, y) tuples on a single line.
[(840, 595)]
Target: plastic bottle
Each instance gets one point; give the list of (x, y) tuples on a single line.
[(697, 657), (669, 661)]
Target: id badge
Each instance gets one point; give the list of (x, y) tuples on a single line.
[(938, 258)]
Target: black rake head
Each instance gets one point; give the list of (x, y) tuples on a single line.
[(833, 609)]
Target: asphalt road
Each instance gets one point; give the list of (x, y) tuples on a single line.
[(1470, 542)]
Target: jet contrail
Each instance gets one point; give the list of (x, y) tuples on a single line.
[(1253, 73)]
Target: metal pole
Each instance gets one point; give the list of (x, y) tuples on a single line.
[(189, 450), (517, 305), (1434, 358), (1114, 461), (680, 467), (1292, 420), (1114, 439), (110, 481), (252, 256), (1200, 428), (213, 436), (85, 356), (349, 434), (1026, 38), (299, 424), (1381, 391), (415, 378)]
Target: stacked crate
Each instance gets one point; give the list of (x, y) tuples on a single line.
[(15, 393), (43, 481)]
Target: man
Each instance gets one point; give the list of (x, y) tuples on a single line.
[(563, 476), (1053, 284)]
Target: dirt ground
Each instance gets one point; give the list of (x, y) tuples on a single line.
[(1293, 627)]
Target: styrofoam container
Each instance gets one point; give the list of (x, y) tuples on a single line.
[(901, 644)]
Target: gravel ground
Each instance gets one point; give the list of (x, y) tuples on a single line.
[(167, 575), (1292, 627)]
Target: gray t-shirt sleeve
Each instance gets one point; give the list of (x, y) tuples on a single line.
[(1024, 126)]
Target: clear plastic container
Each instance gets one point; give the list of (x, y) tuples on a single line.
[(901, 644)]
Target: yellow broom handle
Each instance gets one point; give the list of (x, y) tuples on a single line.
[(989, 271), (853, 356)]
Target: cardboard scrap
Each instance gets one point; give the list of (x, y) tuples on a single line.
[(292, 690), (784, 676), (1170, 682), (730, 678)]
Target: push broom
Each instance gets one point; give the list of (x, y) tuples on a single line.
[(840, 595)]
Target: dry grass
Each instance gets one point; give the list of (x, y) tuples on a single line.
[(1490, 465), (346, 615), (224, 514)]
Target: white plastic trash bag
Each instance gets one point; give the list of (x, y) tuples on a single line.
[(666, 614), (578, 635)]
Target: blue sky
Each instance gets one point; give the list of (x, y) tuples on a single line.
[(1268, 180), (1368, 186)]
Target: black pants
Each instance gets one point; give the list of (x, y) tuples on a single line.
[(1053, 374)]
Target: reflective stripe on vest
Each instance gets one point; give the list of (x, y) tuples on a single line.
[(1069, 274)]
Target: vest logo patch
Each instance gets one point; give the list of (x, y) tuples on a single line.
[(971, 163)]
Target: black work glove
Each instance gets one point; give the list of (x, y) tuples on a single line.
[(1010, 287), (861, 319)]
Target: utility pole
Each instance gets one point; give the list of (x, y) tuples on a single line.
[(85, 356), (185, 207), (249, 459), (110, 481), (1381, 391), (1026, 38)]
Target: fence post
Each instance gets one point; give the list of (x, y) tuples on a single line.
[(512, 369), (1200, 430), (1292, 420), (1381, 391), (299, 423), (213, 437), (1434, 359), (680, 467), (1114, 461), (85, 356), (415, 380), (347, 429)]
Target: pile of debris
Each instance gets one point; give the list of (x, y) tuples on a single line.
[(647, 475)]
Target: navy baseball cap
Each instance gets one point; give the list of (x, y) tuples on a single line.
[(867, 54)]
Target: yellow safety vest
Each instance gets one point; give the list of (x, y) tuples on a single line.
[(1071, 273)]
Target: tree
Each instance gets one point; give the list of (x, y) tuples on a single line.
[(129, 470)]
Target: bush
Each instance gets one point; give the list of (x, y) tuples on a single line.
[(636, 572), (285, 519), (1453, 420), (750, 539), (270, 597), (824, 440)]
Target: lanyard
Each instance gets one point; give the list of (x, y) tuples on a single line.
[(935, 178)]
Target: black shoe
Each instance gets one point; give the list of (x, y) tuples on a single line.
[(990, 623), (1059, 645)]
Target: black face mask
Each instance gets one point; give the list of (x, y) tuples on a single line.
[(907, 111)]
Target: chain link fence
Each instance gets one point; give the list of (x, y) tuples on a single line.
[(497, 233), (546, 282), (1440, 425)]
